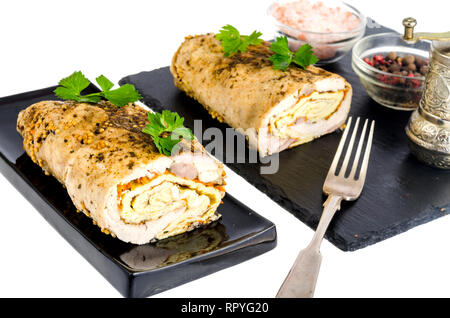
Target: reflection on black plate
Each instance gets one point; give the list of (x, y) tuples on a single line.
[(135, 271), (175, 249)]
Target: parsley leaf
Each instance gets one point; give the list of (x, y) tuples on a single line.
[(305, 56), (75, 82), (232, 41), (166, 145), (166, 130), (252, 39), (123, 95), (70, 88), (283, 56), (104, 83), (66, 93)]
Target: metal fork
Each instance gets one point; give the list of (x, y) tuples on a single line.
[(302, 278)]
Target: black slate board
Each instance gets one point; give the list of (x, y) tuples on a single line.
[(400, 192), (134, 270)]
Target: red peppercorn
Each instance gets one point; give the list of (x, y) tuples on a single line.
[(368, 61), (379, 59), (416, 83)]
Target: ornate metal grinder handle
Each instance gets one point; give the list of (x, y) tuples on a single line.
[(411, 37)]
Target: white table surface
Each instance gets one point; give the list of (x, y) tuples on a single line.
[(43, 41)]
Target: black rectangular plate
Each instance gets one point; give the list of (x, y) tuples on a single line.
[(134, 270), (400, 192)]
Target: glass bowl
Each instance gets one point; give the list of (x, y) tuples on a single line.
[(390, 90), (328, 46)]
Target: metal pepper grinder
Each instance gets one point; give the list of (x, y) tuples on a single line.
[(428, 129)]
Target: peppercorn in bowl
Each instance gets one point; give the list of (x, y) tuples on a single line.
[(391, 70)]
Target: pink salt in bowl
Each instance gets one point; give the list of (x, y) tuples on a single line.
[(330, 27)]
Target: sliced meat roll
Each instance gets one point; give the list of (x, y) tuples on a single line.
[(114, 173), (275, 109)]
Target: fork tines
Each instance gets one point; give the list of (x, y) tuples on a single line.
[(363, 170)]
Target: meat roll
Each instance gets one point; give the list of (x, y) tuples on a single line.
[(114, 173), (276, 109)]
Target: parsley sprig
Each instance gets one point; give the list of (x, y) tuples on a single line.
[(232, 41), (283, 56), (71, 87), (166, 130)]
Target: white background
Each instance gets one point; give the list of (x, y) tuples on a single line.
[(43, 41)]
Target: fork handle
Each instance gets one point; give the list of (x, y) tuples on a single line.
[(302, 278)]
